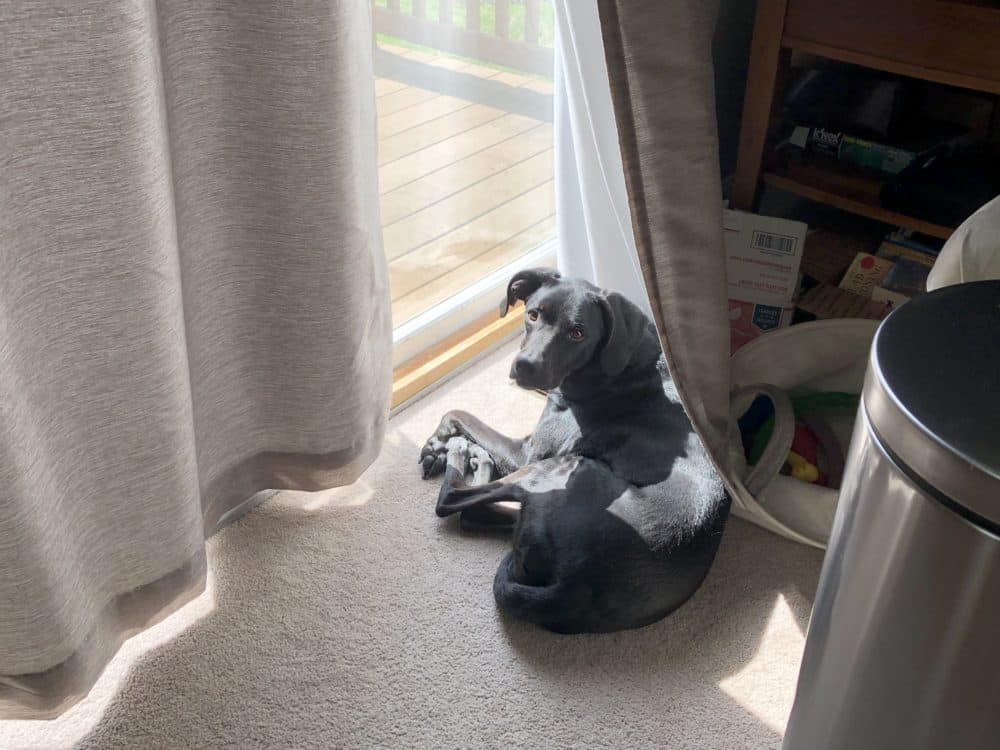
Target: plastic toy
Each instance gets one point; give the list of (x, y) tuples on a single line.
[(816, 455), (803, 459), (802, 469)]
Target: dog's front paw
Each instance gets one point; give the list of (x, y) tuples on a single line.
[(434, 454), (433, 457)]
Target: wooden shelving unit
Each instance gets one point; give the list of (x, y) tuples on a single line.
[(953, 42), (855, 193)]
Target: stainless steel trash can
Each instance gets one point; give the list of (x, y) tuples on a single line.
[(903, 648)]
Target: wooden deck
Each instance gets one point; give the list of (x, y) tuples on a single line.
[(466, 188)]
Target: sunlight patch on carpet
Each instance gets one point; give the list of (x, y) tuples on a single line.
[(756, 687), (350, 496)]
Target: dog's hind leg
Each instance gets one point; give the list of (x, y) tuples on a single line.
[(559, 606), (496, 517), (457, 495)]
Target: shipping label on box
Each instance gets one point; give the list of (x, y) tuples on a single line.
[(763, 254)]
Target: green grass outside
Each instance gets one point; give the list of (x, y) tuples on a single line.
[(487, 24)]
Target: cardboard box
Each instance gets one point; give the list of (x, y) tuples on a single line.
[(748, 320), (828, 254), (763, 254), (826, 301), (891, 299), (888, 282), (762, 257)]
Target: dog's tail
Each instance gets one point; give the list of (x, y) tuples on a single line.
[(549, 606)]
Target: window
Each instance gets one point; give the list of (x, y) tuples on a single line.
[(464, 99)]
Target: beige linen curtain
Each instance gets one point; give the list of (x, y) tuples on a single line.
[(193, 301), (659, 58)]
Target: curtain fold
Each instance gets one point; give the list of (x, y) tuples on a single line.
[(193, 301), (659, 62)]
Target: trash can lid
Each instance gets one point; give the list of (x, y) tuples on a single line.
[(932, 395)]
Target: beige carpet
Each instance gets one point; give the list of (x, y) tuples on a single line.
[(357, 619)]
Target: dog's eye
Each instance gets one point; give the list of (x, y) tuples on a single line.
[(576, 333), (532, 315)]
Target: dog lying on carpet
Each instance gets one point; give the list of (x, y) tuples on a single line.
[(616, 510)]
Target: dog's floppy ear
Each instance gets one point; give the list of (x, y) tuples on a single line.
[(630, 334), (525, 283)]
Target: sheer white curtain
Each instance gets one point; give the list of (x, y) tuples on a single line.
[(595, 239)]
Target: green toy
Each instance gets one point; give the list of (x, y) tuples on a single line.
[(812, 412)]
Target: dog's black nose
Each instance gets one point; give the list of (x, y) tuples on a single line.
[(523, 368)]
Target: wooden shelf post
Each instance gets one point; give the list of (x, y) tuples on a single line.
[(765, 61)]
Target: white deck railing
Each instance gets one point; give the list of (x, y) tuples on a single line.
[(496, 46)]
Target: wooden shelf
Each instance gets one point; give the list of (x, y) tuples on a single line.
[(952, 43), (847, 189), (876, 62)]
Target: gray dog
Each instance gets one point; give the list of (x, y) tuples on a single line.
[(615, 508)]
